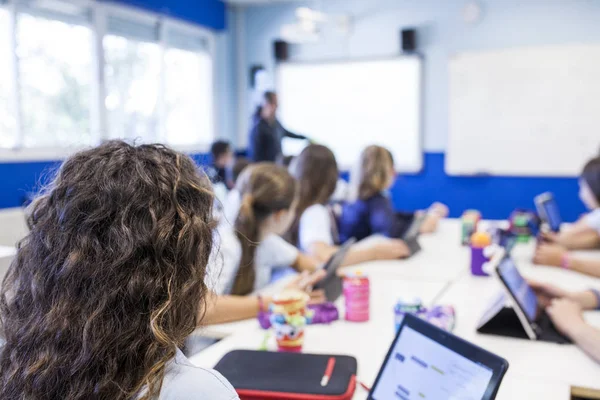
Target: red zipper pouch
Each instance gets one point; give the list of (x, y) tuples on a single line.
[(262, 375)]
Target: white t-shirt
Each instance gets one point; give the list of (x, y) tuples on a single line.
[(185, 381), (315, 226), (593, 220), (272, 252), (231, 206)]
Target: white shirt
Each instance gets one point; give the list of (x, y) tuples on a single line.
[(231, 206), (315, 226), (272, 252), (185, 381), (593, 220)]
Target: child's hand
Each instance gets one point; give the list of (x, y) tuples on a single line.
[(439, 209), (549, 254), (566, 315), (546, 292), (305, 282), (391, 249), (549, 237)]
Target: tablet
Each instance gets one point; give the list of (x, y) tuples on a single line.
[(332, 283), (414, 230), (411, 237), (425, 362), (522, 296), (548, 210)]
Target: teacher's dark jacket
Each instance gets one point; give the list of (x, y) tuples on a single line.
[(265, 140)]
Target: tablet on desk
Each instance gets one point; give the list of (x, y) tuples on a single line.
[(532, 316), (425, 362), (547, 208), (332, 283), (411, 237)]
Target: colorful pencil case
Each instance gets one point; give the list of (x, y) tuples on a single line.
[(289, 376)]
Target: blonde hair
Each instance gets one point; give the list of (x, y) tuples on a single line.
[(264, 188), (373, 173)]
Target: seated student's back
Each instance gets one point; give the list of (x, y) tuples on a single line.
[(317, 174), (370, 210), (315, 228), (252, 249), (110, 281)]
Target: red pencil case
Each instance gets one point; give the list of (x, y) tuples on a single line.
[(262, 375)]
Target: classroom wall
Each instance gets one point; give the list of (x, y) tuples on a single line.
[(441, 33)]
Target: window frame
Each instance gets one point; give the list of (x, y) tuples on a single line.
[(100, 13)]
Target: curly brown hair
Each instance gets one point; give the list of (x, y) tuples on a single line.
[(317, 172), (110, 280)]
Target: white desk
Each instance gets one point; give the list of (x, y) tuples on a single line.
[(550, 362), (440, 272), (342, 337), (442, 259), (348, 338)]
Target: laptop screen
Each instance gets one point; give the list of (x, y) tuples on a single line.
[(419, 367), (552, 214), (523, 294)]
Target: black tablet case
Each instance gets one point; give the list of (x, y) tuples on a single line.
[(507, 323)]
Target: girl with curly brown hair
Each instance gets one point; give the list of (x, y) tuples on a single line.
[(110, 281)]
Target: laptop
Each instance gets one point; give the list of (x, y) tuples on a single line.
[(547, 208), (332, 283), (425, 362), (411, 237), (534, 319)]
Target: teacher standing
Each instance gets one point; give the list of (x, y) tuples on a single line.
[(267, 132)]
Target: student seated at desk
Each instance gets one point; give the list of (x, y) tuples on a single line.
[(109, 282), (584, 234), (566, 311), (315, 227), (250, 251), (222, 159), (370, 210)]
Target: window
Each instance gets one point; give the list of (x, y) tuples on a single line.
[(55, 64), (132, 70), (189, 92), (8, 131), (156, 87)]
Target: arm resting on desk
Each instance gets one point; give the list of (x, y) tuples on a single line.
[(588, 339), (585, 266), (385, 249), (581, 239), (222, 309)]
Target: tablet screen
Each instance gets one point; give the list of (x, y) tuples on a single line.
[(552, 214), (419, 367), (519, 288)]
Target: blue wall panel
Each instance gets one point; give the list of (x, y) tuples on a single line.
[(210, 13), (496, 197)]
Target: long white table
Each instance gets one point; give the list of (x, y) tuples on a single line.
[(440, 274)]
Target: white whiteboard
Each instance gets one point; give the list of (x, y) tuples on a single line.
[(526, 111), (350, 105)]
